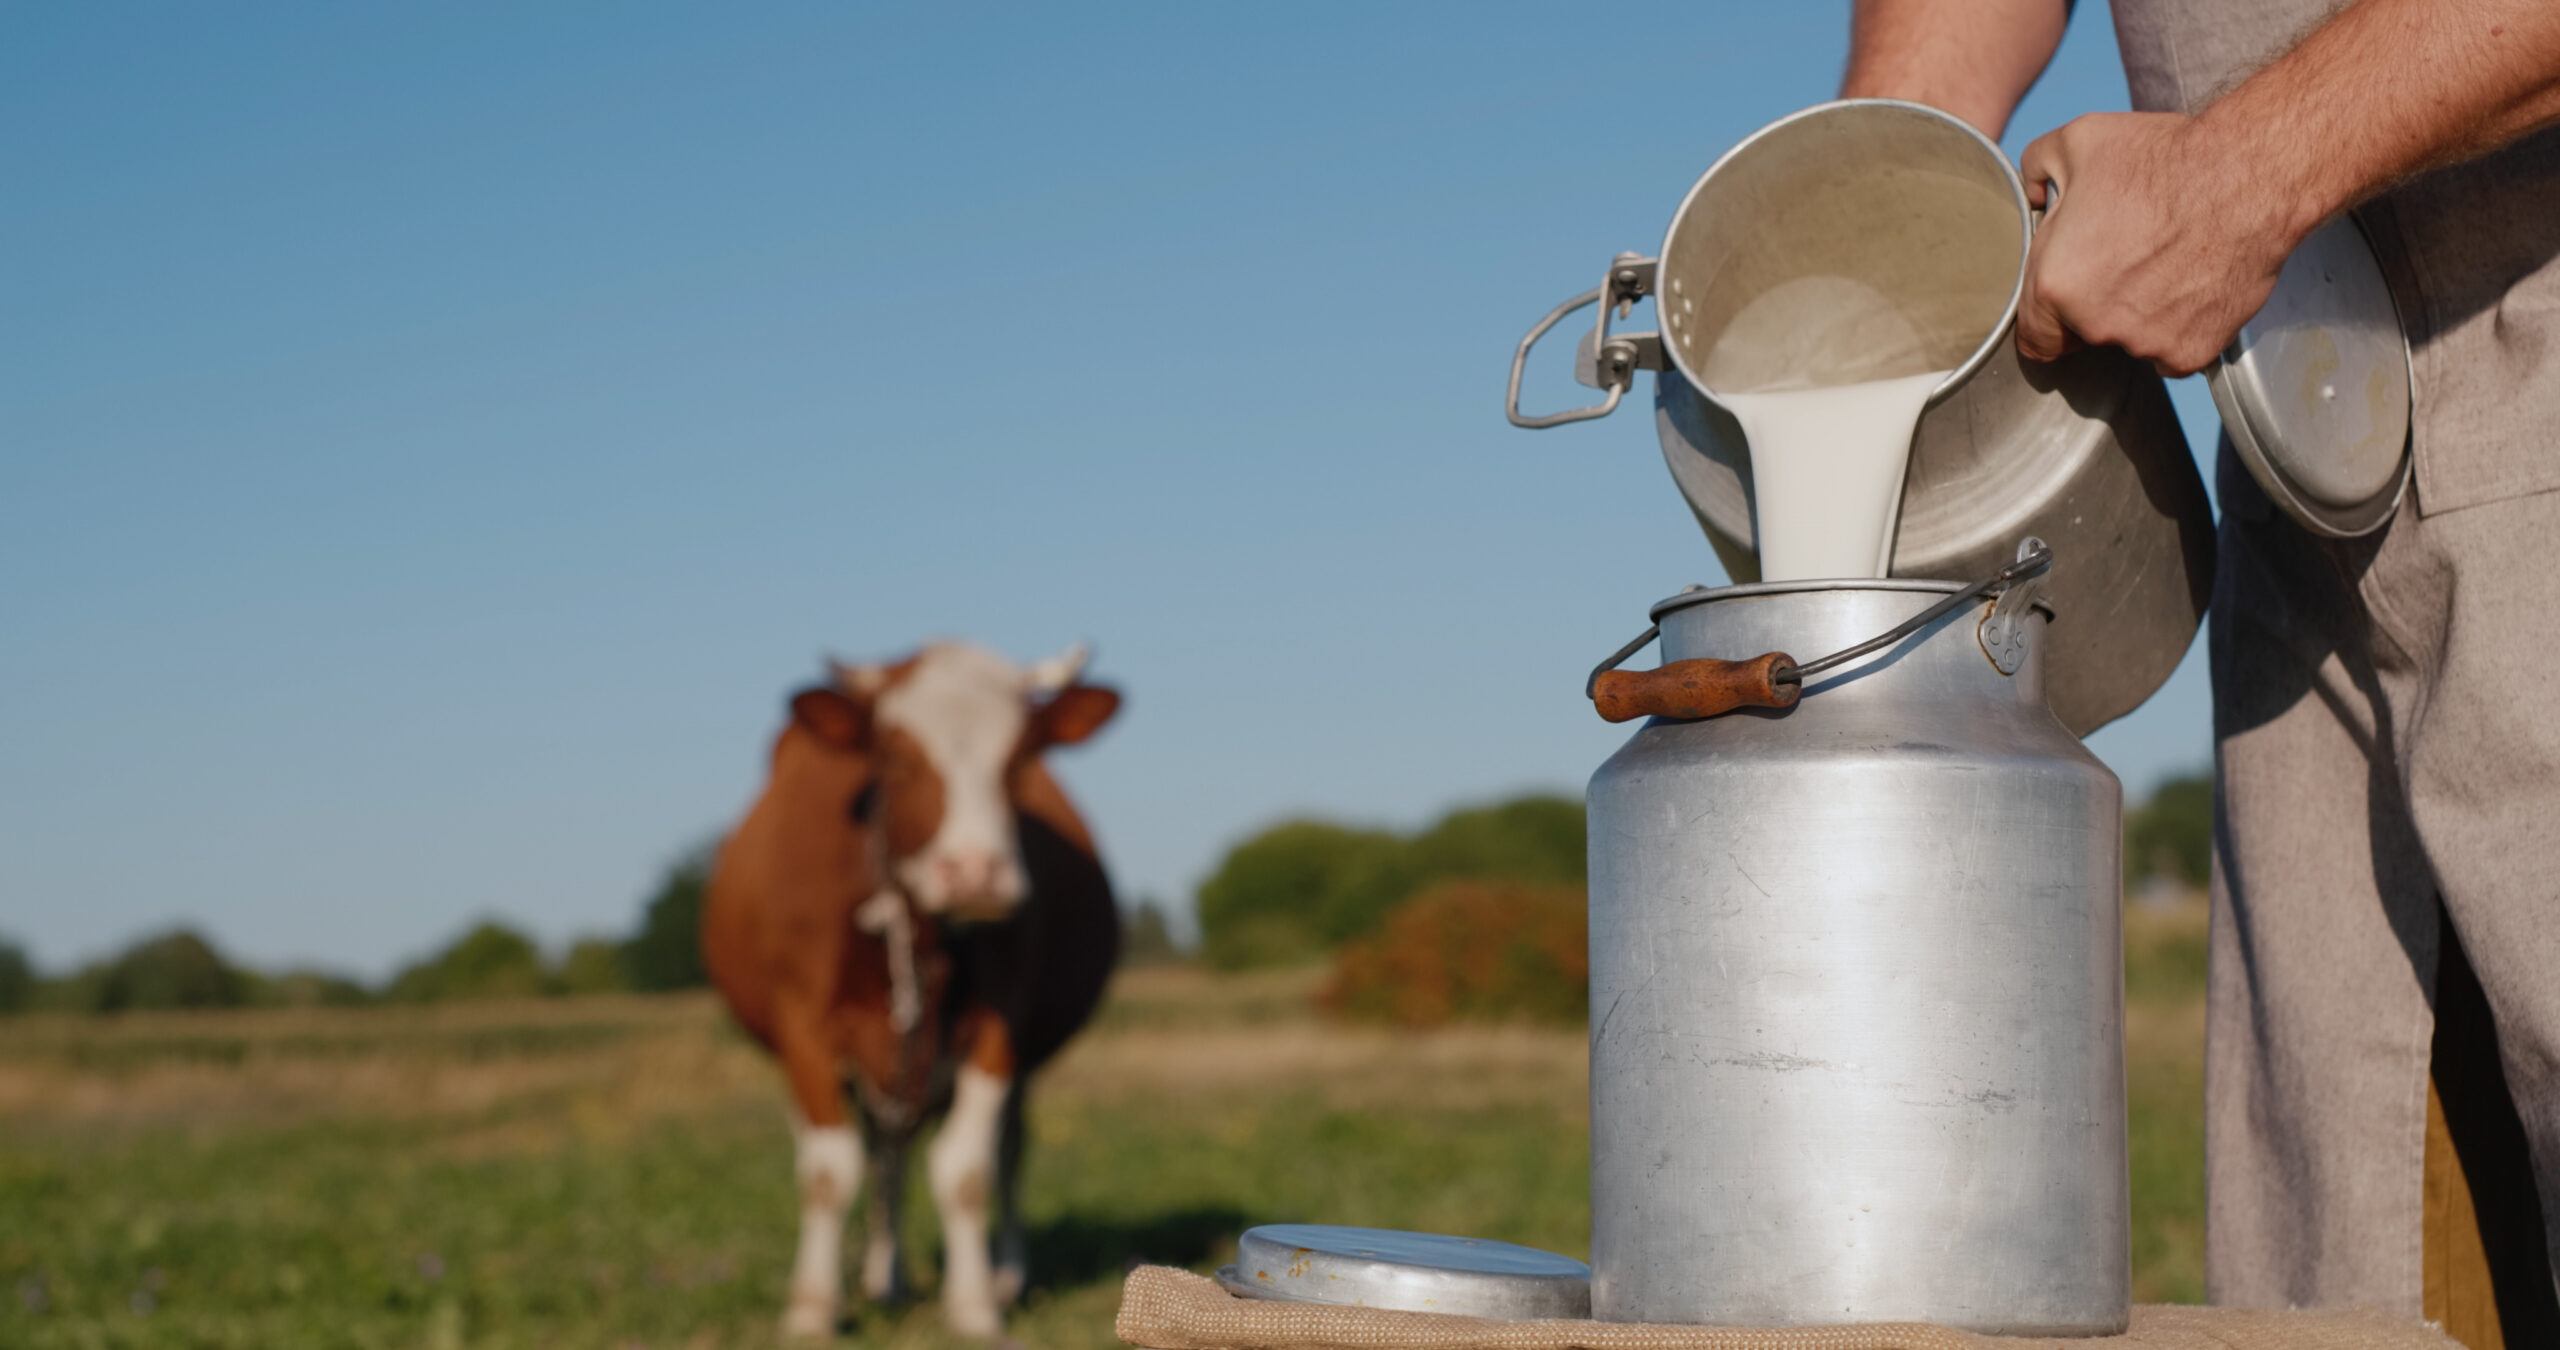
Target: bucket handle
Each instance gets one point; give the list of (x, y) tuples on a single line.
[(1704, 686), (1699, 687), (1614, 359)]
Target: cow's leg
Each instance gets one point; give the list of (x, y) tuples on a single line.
[(829, 1170), (884, 1266), (961, 1167), (1011, 1254)]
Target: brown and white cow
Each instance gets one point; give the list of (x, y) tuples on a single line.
[(912, 919)]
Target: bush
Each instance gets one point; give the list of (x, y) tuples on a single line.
[(2171, 836), (1528, 839), (174, 970), (305, 989), (591, 966), (72, 991), (1297, 889), (1474, 951), (1303, 888), (667, 951), (17, 979), (490, 961), (1146, 937)]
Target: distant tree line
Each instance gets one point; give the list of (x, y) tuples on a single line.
[(490, 959), (181, 968), (175, 969)]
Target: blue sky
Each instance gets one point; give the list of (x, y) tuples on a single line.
[(434, 439)]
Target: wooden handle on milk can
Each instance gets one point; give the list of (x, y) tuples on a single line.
[(1699, 687)]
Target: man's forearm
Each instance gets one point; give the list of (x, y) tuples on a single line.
[(1973, 58), (2385, 90)]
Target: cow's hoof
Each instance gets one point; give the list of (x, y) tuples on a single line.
[(885, 1283), (976, 1321), (809, 1318)]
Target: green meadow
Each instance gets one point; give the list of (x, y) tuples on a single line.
[(613, 1171)]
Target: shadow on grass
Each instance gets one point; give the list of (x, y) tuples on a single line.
[(1079, 1249)]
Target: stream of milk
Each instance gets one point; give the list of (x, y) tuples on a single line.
[(1826, 473), (1828, 378)]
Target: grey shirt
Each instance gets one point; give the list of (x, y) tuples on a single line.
[(2472, 251)]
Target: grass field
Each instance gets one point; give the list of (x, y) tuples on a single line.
[(614, 1172)]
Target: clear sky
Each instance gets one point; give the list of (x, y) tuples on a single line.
[(434, 439)]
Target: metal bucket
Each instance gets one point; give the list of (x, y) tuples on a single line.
[(1895, 199), (1857, 984), (2085, 452)]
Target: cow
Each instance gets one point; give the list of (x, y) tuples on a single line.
[(912, 918)]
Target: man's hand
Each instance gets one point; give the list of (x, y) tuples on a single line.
[(2172, 230), (2153, 242)]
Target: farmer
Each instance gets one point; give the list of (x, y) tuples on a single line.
[(2386, 710)]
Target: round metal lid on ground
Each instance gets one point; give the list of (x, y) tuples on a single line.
[(2314, 391), (1413, 1272)]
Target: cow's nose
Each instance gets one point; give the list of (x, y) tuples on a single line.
[(967, 876)]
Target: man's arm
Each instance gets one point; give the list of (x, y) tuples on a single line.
[(2172, 229), (1973, 58)]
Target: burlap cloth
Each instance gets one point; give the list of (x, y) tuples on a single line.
[(1166, 1309)]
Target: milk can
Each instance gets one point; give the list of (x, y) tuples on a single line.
[(1856, 971)]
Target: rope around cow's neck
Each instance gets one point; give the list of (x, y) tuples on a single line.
[(885, 913)]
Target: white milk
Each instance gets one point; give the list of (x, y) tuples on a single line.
[(1828, 378), (1826, 473)]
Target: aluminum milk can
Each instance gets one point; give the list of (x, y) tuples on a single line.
[(1857, 1044)]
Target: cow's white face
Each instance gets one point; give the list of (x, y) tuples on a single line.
[(948, 730), (961, 711)]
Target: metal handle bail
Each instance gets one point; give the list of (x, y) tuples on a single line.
[(2018, 586), (1610, 360)]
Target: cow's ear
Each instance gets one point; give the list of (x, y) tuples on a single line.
[(1076, 712), (832, 717)]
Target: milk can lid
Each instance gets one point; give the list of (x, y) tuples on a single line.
[(1415, 1272), (2314, 392)]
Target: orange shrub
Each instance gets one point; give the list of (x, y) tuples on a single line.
[(1470, 950)]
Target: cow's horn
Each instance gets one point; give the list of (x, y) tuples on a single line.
[(1061, 670), (864, 680)]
